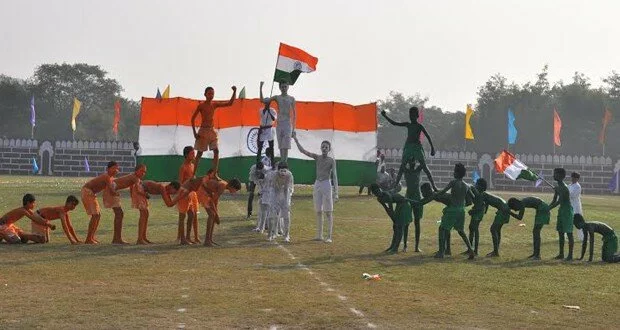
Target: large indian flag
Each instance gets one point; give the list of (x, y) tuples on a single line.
[(291, 63), (165, 128)]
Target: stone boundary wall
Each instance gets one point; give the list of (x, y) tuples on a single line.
[(596, 172), (64, 158)]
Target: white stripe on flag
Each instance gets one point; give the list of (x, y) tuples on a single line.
[(287, 64), (514, 169)]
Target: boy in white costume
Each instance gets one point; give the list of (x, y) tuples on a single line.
[(281, 183), (574, 189), (286, 118), (266, 133), (322, 191)]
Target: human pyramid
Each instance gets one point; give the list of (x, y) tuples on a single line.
[(275, 183), (401, 208)]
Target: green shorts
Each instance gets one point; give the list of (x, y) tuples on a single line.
[(543, 215), (403, 214), (565, 219), (453, 217), (413, 150), (477, 216), (501, 218), (418, 211), (610, 246)]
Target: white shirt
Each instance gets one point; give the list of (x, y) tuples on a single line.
[(283, 188), (265, 120), (574, 190)]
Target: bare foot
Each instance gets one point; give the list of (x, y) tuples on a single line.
[(148, 242), (184, 242), (141, 242), (91, 241), (208, 244), (119, 242)]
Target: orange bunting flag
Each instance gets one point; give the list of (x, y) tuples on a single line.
[(117, 116), (606, 120), (557, 128)]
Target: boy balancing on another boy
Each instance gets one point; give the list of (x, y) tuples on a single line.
[(13, 234)]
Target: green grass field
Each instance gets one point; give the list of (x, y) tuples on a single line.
[(248, 282)]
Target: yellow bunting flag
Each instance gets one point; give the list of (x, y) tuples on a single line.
[(76, 110), (166, 94), (469, 134)]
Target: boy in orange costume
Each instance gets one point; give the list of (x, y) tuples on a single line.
[(58, 212), (140, 194), (13, 234), (188, 205), (209, 196), (89, 193), (206, 137), (113, 200)]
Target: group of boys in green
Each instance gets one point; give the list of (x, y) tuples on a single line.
[(400, 208)]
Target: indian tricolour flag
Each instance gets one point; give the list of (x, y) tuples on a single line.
[(512, 168), (165, 129), (291, 63)]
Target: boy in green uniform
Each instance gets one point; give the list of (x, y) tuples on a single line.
[(610, 240), (564, 225), (412, 178), (427, 192), (413, 146), (401, 215), (453, 214), (477, 212), (541, 218), (502, 216)]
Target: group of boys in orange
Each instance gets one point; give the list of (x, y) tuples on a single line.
[(189, 192)]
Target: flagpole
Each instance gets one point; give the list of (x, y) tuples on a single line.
[(32, 137), (603, 149), (274, 72)]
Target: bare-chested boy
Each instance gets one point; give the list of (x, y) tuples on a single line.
[(287, 116), (209, 195), (112, 199), (206, 137), (189, 204), (89, 193), (58, 212), (140, 194), (13, 234)]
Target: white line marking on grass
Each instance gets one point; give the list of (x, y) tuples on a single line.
[(342, 298), (181, 310)]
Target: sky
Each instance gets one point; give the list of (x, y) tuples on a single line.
[(444, 50)]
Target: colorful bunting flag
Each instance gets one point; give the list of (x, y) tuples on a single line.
[(607, 117), (557, 128), (76, 110), (166, 93), (117, 116), (242, 93), (540, 179), (469, 133), (33, 114), (158, 95), (475, 176), (86, 165), (35, 167), (512, 130), (613, 184)]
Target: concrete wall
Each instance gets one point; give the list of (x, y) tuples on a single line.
[(64, 158)]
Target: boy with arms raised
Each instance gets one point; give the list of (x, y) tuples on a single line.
[(206, 137), (287, 115)]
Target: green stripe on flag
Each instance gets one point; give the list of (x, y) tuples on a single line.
[(288, 77), (350, 173), (527, 175)]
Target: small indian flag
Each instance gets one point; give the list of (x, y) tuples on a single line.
[(291, 63), (508, 164)]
